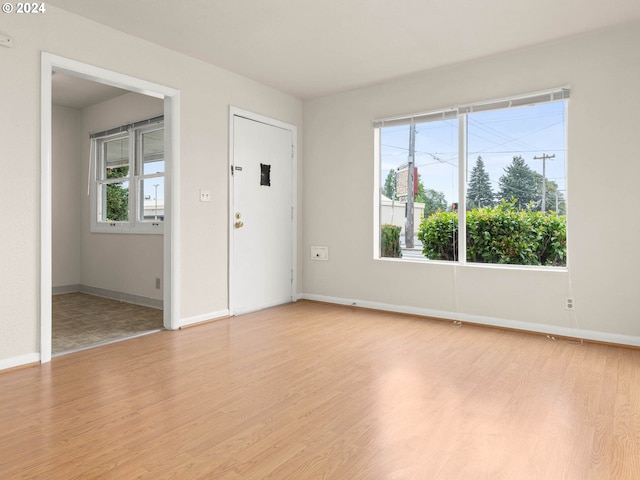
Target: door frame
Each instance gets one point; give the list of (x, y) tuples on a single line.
[(233, 112), (171, 240)]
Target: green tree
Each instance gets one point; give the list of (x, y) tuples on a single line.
[(479, 192), (390, 241), (117, 196), (434, 202), (421, 196), (520, 183), (389, 189)]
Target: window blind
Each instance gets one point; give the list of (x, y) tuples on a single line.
[(552, 95), (127, 127)]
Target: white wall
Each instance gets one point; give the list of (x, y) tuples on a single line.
[(603, 70), (206, 93), (66, 174)]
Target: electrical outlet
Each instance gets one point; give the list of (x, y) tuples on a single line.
[(158, 283), (205, 195), (319, 253), (569, 304)]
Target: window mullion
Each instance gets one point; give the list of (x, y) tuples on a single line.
[(462, 188), (133, 187)]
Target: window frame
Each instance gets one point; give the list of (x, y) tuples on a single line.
[(136, 224), (460, 112)]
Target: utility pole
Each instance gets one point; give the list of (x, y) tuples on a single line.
[(393, 194), (156, 209), (408, 230), (544, 158)]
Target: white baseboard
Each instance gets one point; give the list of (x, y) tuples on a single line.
[(123, 297), (183, 322), (61, 290), (546, 329), (112, 294), (19, 361)]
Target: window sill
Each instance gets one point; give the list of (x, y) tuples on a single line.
[(492, 266), (139, 229)]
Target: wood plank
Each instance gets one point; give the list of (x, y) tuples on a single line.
[(312, 390)]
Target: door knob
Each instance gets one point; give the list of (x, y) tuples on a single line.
[(239, 224)]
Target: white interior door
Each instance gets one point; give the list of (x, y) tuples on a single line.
[(261, 216)]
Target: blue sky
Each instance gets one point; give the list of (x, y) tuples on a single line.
[(497, 136)]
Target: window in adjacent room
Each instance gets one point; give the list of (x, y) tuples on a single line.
[(481, 183), (128, 178)]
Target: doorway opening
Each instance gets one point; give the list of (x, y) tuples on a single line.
[(102, 271)]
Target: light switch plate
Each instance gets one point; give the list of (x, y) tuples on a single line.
[(6, 41)]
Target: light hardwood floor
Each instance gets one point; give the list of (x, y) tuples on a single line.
[(310, 391)]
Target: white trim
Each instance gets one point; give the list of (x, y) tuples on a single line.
[(112, 294), (377, 149), (108, 77), (12, 362), (122, 297), (46, 267), (605, 337), (463, 140), (172, 245), (64, 289), (235, 111), (49, 63), (230, 203), (205, 317)]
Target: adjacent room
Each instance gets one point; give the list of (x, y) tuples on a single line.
[(350, 240), (101, 259)]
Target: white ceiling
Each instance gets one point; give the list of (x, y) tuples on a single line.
[(73, 92), (311, 48)]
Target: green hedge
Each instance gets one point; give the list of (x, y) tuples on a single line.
[(502, 234), (390, 241)]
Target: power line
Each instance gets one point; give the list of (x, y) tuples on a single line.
[(432, 155), (471, 153)]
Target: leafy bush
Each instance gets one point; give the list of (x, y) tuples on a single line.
[(390, 241), (502, 235), (439, 236)]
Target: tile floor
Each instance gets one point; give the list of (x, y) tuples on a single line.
[(81, 320)]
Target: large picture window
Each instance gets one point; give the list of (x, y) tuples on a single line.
[(481, 183), (128, 179)]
